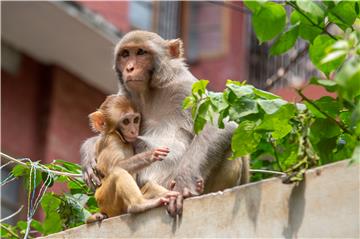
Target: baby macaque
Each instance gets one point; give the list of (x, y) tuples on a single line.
[(118, 124)]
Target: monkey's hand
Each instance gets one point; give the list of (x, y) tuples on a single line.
[(90, 175), (88, 163), (158, 154), (185, 190)]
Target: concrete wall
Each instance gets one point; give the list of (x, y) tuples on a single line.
[(326, 204)]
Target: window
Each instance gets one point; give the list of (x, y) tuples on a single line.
[(206, 30), (141, 14)]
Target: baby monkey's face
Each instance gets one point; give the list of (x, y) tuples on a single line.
[(129, 125)]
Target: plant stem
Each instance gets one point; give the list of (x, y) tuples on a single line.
[(41, 169), (275, 154), (266, 171), (9, 231), (342, 126), (309, 19)]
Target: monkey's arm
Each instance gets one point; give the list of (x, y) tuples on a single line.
[(136, 162), (88, 162), (142, 160)]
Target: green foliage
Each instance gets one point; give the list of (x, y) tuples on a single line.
[(268, 19), (294, 137), (62, 211)]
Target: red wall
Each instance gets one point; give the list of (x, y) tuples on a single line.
[(19, 117), (115, 12), (44, 112), (72, 101)]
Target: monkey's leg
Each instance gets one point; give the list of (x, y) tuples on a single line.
[(147, 204), (152, 190), (127, 190), (228, 174)]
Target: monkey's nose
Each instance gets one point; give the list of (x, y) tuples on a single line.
[(129, 69)]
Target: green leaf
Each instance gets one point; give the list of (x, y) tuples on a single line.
[(345, 147), (355, 119), (285, 41), (269, 21), (218, 101), (329, 85), (343, 14), (307, 30), (313, 7), (324, 128), (335, 55), (20, 170), (245, 139), (327, 104), (223, 114), (189, 101), (271, 106), (52, 222), (253, 6), (37, 225), (265, 94), (348, 79), (241, 91), (199, 124), (278, 122), (242, 108), (318, 52), (199, 87)]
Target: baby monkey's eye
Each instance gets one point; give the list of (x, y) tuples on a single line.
[(141, 52), (126, 121), (136, 120), (124, 53)]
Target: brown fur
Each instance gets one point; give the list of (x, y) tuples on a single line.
[(116, 163)]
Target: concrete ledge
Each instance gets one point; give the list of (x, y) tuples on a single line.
[(326, 204)]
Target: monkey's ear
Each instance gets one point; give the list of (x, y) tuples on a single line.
[(97, 121), (176, 49)]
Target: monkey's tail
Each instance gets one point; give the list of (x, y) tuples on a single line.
[(245, 170)]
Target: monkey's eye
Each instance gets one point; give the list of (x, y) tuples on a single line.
[(124, 53), (136, 120), (126, 121), (141, 52)]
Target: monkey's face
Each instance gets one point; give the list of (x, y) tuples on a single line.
[(136, 65), (129, 125)]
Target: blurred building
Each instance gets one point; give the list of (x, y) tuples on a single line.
[(56, 64)]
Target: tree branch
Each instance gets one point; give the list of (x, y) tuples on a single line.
[(309, 19), (342, 126)]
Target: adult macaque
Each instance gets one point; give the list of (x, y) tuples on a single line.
[(152, 73), (118, 125)]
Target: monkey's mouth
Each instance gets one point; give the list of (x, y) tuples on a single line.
[(133, 80)]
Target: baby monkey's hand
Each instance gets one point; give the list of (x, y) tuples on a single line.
[(158, 154)]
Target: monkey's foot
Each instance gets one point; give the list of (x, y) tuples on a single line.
[(97, 217), (200, 186), (148, 204)]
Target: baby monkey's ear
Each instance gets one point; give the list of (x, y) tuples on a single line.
[(97, 121)]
